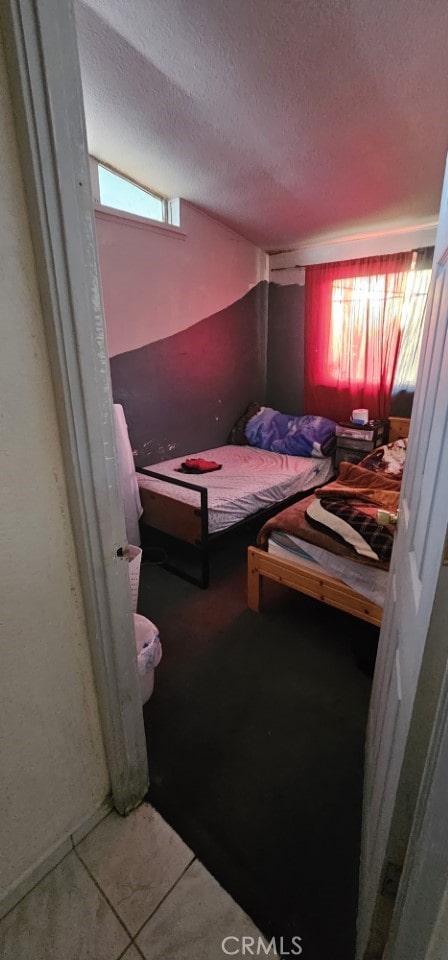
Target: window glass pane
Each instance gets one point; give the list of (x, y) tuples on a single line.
[(364, 313), (120, 194), (412, 319)]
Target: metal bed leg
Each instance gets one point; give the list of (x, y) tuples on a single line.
[(205, 566)]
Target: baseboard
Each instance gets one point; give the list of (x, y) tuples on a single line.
[(31, 877), (88, 823)]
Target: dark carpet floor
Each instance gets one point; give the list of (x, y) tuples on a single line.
[(256, 733)]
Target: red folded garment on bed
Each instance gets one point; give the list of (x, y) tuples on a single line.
[(198, 465)]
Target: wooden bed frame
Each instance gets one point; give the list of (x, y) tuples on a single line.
[(320, 585)]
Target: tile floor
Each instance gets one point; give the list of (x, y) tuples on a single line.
[(129, 889)]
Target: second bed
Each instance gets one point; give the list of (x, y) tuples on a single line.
[(327, 571)]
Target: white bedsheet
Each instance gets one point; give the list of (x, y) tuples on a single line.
[(250, 480), (367, 580)]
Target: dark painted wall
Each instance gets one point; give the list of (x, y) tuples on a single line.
[(183, 394), (285, 367), (401, 404)]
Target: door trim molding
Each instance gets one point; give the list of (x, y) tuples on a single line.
[(422, 901), (44, 74)]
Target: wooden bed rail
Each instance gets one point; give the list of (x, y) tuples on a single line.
[(317, 584)]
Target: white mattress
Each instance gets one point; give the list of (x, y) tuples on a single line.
[(367, 580), (250, 480)]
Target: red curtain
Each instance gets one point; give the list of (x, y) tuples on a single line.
[(352, 334)]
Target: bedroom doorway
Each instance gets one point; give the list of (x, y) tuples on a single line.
[(44, 75)]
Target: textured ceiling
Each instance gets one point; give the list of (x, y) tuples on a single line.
[(287, 119)]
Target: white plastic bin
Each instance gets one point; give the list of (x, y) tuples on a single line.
[(135, 559), (149, 653)]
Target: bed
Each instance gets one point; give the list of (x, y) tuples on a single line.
[(290, 553), (251, 482)]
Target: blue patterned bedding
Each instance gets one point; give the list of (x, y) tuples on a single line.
[(298, 436)]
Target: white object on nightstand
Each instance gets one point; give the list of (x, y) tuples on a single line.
[(361, 415)]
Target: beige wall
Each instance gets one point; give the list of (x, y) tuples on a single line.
[(53, 771), (155, 285)]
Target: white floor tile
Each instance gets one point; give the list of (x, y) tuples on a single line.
[(63, 918), (135, 860), (193, 921)]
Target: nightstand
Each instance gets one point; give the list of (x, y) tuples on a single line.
[(354, 442)]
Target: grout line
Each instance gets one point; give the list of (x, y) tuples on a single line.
[(125, 951), (103, 894), (150, 916), (137, 948)]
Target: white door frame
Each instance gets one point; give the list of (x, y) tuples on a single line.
[(419, 923), (407, 920), (420, 917), (44, 73)]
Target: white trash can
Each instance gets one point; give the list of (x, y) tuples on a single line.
[(149, 653)]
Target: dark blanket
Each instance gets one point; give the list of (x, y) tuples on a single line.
[(354, 523), (293, 521), (356, 483), (356, 488)]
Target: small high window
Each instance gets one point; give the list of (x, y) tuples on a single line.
[(121, 194)]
